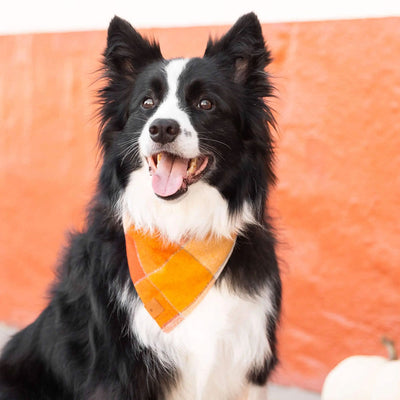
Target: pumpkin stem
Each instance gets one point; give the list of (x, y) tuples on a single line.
[(391, 349)]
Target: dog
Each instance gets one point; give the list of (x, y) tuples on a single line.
[(187, 153)]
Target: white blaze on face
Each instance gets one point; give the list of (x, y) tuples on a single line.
[(169, 172), (187, 143)]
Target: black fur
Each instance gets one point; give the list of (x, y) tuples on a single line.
[(80, 346)]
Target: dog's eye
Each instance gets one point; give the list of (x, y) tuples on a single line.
[(148, 103), (205, 104)]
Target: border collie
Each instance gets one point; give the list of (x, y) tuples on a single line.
[(208, 118)]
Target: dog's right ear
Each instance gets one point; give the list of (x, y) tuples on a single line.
[(127, 51), (126, 54)]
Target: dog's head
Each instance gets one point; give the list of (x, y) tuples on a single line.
[(187, 136)]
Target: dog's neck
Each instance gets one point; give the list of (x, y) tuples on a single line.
[(200, 213)]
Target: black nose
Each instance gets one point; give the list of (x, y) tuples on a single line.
[(164, 130)]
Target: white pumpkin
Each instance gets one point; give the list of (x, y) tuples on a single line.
[(365, 378)]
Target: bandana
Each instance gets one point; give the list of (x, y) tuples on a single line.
[(172, 278)]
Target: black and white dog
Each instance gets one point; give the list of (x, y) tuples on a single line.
[(207, 120)]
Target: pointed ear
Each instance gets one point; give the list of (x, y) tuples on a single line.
[(242, 49), (127, 51)]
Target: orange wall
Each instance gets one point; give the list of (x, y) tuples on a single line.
[(336, 205)]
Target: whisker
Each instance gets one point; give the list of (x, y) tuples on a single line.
[(216, 141), (204, 148), (130, 148), (129, 152), (141, 119)]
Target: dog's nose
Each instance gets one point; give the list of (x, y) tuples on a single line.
[(164, 130)]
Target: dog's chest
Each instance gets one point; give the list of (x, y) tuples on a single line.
[(214, 348)]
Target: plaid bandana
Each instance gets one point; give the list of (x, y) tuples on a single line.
[(172, 278)]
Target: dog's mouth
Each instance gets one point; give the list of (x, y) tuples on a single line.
[(172, 174)]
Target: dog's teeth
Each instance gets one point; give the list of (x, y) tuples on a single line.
[(158, 157), (192, 166)]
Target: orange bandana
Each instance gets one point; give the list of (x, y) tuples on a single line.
[(172, 278)]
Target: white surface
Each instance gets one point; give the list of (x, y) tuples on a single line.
[(5, 334), (275, 392), (20, 16)]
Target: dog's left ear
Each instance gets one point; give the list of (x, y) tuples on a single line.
[(242, 48)]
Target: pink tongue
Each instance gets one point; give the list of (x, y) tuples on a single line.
[(168, 178)]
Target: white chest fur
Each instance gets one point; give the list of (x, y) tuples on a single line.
[(214, 347), (176, 219)]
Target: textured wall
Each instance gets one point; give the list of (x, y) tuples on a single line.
[(338, 199), (338, 160)]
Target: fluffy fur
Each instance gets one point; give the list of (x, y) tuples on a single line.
[(95, 340)]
